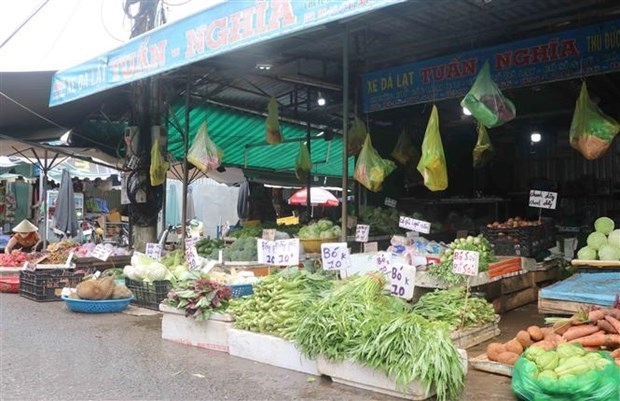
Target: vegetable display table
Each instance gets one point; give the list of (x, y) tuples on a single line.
[(210, 334), (578, 291)]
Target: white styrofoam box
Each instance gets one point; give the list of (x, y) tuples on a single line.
[(356, 375), (9, 271), (271, 350), (220, 317), (210, 334)]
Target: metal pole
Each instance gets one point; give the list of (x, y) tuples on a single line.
[(345, 128), (309, 178), (185, 164), (44, 194)]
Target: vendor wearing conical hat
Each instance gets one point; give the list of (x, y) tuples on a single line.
[(26, 238)]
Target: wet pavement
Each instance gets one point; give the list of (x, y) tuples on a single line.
[(49, 353)]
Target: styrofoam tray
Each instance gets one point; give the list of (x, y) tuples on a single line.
[(482, 362)]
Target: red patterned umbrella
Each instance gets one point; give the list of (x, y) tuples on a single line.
[(318, 197)]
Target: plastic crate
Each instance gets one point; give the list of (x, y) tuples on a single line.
[(241, 290), (521, 241), (148, 295), (46, 285)]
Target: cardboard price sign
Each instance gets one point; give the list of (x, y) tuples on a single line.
[(191, 255), (543, 199), (371, 246), (101, 252), (283, 252), (466, 262), (269, 234), (361, 232), (402, 280), (414, 224), (153, 250), (335, 256), (389, 202), (383, 261)]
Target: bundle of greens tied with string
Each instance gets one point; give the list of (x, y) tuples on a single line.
[(443, 271)]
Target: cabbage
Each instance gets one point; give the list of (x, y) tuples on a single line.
[(596, 240), (140, 259), (327, 234), (609, 252), (336, 231), (129, 272), (324, 224), (586, 253), (604, 225), (155, 272), (614, 238)]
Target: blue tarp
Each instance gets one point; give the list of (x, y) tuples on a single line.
[(592, 288)]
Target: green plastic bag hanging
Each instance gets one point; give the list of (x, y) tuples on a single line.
[(272, 129), (483, 151), (303, 164), (356, 136), (432, 164), (371, 169), (531, 384), (591, 131), (204, 153), (404, 152), (159, 165), (486, 102)]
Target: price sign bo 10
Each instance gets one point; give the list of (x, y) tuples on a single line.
[(280, 253), (414, 225), (466, 262), (335, 256)]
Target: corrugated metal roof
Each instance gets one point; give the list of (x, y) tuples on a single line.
[(241, 136)]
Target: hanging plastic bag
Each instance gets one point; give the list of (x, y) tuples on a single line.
[(303, 164), (483, 151), (273, 125), (486, 102), (432, 163), (159, 165), (204, 153), (356, 136), (371, 169), (404, 152), (591, 131)]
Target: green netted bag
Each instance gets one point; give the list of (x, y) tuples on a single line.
[(272, 128), (303, 164), (432, 164), (483, 151), (591, 131), (371, 169), (486, 102), (594, 385)]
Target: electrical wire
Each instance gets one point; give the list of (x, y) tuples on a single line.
[(24, 23), (105, 27), (62, 30)]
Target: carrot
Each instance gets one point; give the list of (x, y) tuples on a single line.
[(603, 324), (614, 322), (599, 339), (615, 354), (579, 331), (615, 312), (596, 315)]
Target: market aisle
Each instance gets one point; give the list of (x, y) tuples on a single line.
[(48, 353)]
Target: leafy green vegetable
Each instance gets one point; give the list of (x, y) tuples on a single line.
[(609, 252), (596, 239), (199, 298), (604, 225), (443, 271), (586, 253), (614, 238)]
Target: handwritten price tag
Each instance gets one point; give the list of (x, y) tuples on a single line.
[(543, 199), (371, 246), (383, 262), (280, 253), (335, 256), (191, 255), (466, 262), (390, 202), (101, 252), (402, 281), (361, 232), (153, 250), (414, 224), (269, 234), (190, 242)]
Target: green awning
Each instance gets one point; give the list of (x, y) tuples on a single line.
[(241, 136)]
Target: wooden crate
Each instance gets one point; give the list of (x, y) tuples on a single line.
[(560, 307), (470, 337), (514, 300), (482, 362)]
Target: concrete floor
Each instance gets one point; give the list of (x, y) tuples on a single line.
[(49, 353)]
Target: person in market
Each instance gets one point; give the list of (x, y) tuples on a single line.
[(26, 238)]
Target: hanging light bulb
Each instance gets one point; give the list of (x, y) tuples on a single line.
[(535, 137), (466, 111), (321, 100)]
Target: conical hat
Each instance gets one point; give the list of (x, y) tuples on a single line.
[(25, 227)]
